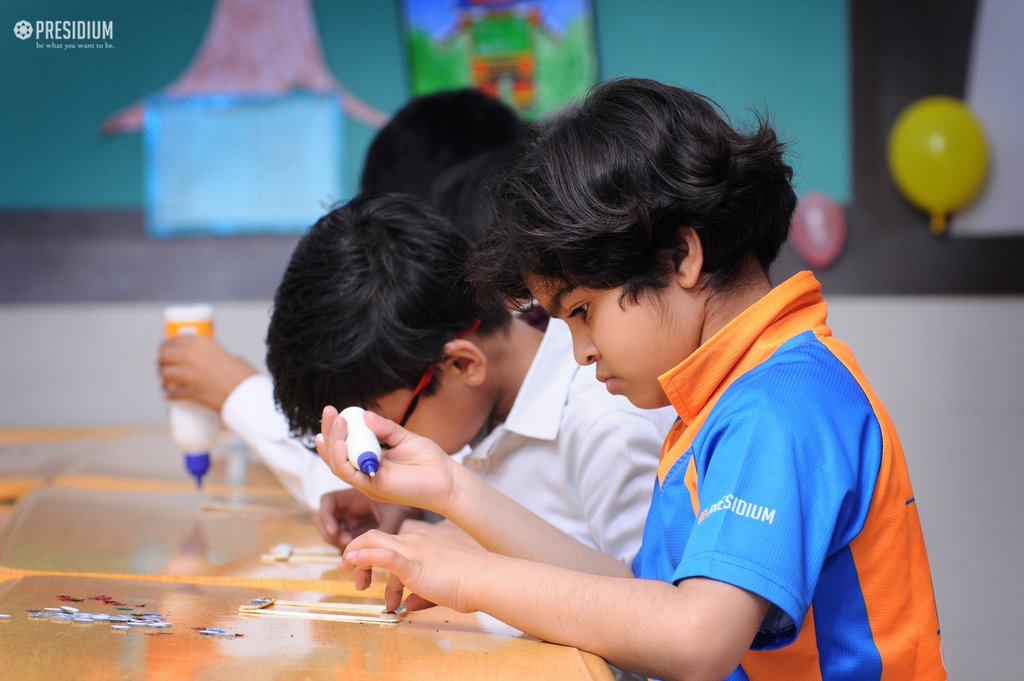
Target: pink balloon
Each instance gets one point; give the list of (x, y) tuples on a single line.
[(818, 232)]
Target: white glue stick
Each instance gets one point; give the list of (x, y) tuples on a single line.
[(363, 447)]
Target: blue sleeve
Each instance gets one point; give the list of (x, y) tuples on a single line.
[(786, 464)]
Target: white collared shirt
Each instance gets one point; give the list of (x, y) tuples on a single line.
[(250, 412), (577, 456), (580, 458)]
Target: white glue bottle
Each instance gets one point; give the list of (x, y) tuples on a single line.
[(194, 427), (363, 447)]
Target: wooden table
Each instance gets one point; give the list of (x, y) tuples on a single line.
[(147, 534), (118, 516), (149, 461), (111, 458), (434, 644), (27, 466)]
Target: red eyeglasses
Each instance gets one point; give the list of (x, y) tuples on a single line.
[(428, 375)]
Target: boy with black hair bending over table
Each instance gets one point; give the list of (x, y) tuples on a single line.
[(783, 541), (429, 137), (374, 310)]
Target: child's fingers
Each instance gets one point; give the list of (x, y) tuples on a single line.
[(327, 419), (417, 602), (325, 521), (336, 436), (330, 441), (363, 577), (387, 431), (321, 448), (172, 350), (328, 509), (376, 549), (393, 593), (327, 454), (336, 458), (174, 375), (373, 556)]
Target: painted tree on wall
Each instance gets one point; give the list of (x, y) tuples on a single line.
[(256, 47)]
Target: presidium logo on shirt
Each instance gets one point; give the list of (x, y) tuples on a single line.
[(741, 508)]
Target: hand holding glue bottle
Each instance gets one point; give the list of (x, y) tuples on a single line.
[(194, 427), (363, 447)]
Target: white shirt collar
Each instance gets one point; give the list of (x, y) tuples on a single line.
[(537, 409)]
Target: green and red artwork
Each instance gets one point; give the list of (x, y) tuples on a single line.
[(536, 55)]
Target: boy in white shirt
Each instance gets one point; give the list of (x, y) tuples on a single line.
[(374, 310), (427, 138)]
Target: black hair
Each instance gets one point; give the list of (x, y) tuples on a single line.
[(465, 193), (371, 295), (599, 199), (431, 134)]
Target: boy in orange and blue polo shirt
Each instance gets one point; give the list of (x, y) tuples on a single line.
[(783, 540), (782, 444)]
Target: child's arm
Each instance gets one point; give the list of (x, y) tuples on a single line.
[(700, 629), (415, 471)]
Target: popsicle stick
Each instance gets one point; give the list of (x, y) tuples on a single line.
[(337, 612), (261, 509), (286, 553), (317, 559), (317, 551)]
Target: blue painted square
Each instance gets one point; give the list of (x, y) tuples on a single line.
[(223, 165)]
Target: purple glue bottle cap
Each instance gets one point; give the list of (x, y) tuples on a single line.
[(368, 463), (198, 465)]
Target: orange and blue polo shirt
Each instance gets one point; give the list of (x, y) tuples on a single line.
[(784, 476)]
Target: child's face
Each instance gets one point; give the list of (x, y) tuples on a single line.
[(632, 345), (452, 416)]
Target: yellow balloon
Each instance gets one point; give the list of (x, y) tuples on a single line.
[(938, 156)]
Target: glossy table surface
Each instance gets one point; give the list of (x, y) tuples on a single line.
[(115, 514), (143, 459), (434, 644), (114, 532)]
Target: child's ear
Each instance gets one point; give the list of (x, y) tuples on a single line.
[(689, 270), (465, 360)]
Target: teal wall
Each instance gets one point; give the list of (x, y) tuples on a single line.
[(786, 57), (789, 58)]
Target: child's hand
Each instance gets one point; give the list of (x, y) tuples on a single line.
[(446, 528), (199, 368), (435, 570), (347, 513), (415, 471)]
